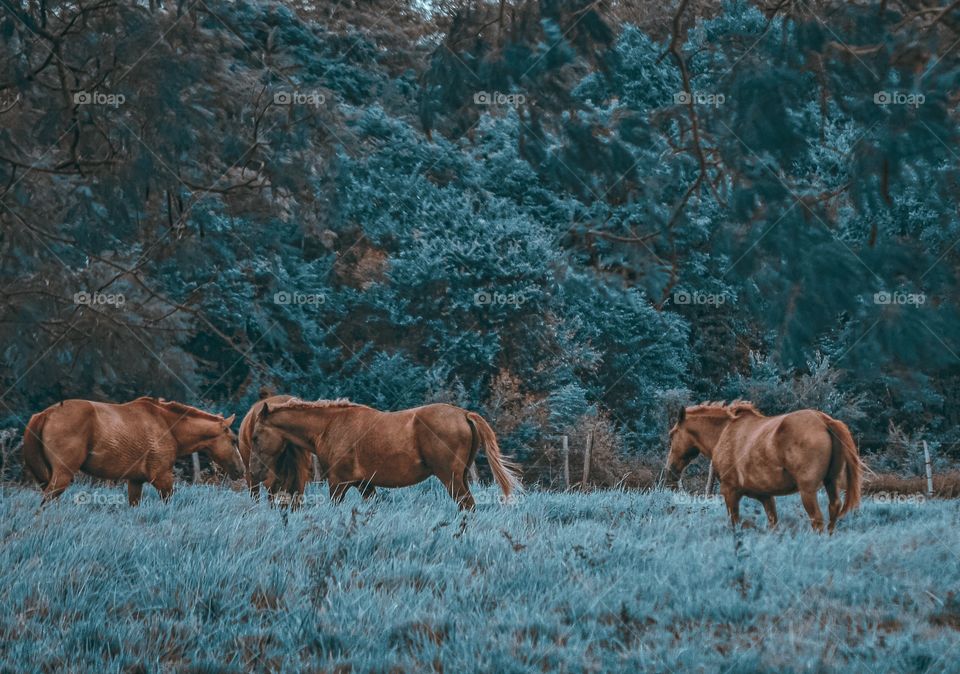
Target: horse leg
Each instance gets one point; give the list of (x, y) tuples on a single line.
[(460, 492), (163, 483), (297, 491), (833, 493), (60, 479), (275, 494), (769, 507), (367, 490), (338, 490), (809, 498), (134, 491), (732, 498)]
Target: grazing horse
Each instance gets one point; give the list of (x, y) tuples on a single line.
[(358, 446), (138, 441), (762, 457), (292, 467)]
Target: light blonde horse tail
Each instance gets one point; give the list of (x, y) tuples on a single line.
[(504, 471), (34, 456), (844, 445)]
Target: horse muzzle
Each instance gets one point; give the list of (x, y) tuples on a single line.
[(234, 472), (672, 479), (258, 471)]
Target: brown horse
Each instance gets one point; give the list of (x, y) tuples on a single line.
[(358, 446), (762, 457), (137, 441), (292, 467)]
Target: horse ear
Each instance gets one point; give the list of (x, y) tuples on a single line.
[(264, 411), (228, 422), (683, 415)]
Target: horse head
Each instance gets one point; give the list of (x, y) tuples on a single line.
[(684, 448), (224, 450), (266, 445)]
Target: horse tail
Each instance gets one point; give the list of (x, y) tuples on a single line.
[(844, 446), (474, 446), (504, 471), (34, 456)]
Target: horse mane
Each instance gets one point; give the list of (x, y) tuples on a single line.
[(300, 404), (733, 409), (178, 408)]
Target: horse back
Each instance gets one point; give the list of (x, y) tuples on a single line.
[(439, 419), (83, 428), (775, 454)]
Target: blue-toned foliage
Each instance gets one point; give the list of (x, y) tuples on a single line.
[(540, 214)]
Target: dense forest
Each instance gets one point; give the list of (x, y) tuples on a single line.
[(564, 215)]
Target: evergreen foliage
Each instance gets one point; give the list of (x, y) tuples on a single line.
[(532, 209)]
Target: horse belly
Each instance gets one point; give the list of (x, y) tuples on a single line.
[(120, 459), (388, 466), (397, 469), (754, 466), (769, 477)]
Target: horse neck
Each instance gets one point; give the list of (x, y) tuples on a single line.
[(707, 429), (188, 431), (302, 426)]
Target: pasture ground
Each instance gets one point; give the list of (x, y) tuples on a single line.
[(556, 582)]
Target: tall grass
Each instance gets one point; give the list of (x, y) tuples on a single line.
[(602, 581)]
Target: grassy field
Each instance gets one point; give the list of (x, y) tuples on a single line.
[(557, 582)]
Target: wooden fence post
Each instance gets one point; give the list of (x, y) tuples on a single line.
[(196, 467), (926, 460), (709, 488), (588, 450)]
